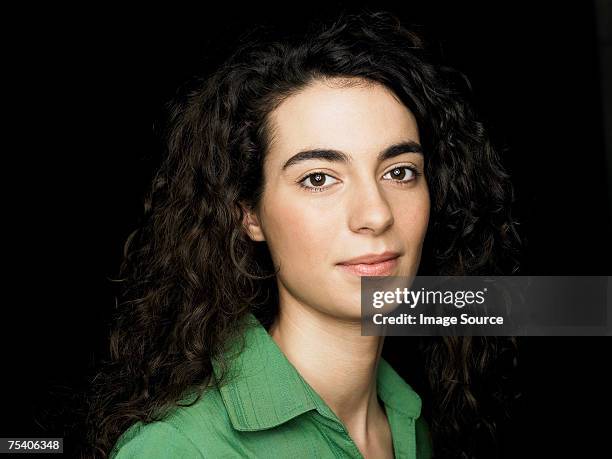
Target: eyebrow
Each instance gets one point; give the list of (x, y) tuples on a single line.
[(339, 156)]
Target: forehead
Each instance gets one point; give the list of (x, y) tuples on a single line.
[(359, 117)]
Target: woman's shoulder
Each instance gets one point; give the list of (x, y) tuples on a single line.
[(186, 431), (157, 439)]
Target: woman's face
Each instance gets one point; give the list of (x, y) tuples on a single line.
[(331, 194)]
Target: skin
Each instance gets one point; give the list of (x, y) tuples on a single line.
[(360, 210)]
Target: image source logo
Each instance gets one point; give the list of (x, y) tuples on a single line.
[(486, 305)]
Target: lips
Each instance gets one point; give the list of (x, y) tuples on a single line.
[(371, 264)]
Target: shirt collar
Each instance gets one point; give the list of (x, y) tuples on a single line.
[(265, 390)]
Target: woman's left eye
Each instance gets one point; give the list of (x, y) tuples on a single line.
[(402, 174)]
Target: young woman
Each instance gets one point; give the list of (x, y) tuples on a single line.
[(301, 164)]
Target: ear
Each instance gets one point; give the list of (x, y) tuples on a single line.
[(251, 224)]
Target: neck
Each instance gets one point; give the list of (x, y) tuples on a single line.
[(336, 361)]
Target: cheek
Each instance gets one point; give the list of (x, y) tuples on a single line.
[(413, 219), (298, 235)]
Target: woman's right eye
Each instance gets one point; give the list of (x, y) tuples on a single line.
[(316, 181)]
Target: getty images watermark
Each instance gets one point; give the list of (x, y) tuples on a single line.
[(486, 305)]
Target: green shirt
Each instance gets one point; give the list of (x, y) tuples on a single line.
[(270, 411)]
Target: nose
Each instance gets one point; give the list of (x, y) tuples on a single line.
[(369, 209)]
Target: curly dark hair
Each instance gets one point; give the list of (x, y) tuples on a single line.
[(190, 271)]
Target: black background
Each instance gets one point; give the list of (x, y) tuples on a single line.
[(90, 85)]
